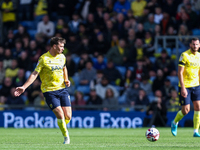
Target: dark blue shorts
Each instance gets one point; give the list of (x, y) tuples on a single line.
[(193, 95), (57, 98)]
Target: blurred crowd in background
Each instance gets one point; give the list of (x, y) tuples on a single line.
[(110, 50)]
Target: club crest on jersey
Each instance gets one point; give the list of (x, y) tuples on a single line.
[(181, 58)]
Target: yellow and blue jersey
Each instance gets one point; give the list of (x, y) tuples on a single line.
[(191, 64), (51, 73)]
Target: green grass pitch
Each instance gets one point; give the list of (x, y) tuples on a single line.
[(97, 139)]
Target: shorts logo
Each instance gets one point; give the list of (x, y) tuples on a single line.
[(51, 105)]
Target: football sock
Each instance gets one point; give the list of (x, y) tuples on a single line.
[(196, 120), (178, 117), (67, 121), (62, 126)]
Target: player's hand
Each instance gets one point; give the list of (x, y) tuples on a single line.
[(184, 92), (68, 83), (19, 91)]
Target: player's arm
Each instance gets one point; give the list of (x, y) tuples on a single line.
[(30, 80), (66, 79), (180, 77)]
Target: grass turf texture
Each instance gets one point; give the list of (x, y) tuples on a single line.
[(97, 139)]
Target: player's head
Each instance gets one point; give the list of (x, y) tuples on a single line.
[(194, 45), (57, 44)]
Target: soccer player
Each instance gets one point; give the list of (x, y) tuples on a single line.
[(53, 73), (189, 89)]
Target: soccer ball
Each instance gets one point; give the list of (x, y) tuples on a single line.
[(152, 134)]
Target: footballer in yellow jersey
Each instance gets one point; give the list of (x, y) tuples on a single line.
[(53, 73), (189, 89)]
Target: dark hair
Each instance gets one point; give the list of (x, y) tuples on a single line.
[(194, 39), (56, 40)]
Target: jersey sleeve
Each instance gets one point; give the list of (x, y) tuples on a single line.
[(39, 65), (182, 60)]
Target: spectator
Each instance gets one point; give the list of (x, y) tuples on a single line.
[(140, 71), (20, 79), (59, 25), (21, 32), (84, 58), (46, 27), (152, 5), (165, 23), (8, 16), (2, 102), (39, 102), (166, 89), (112, 73), (100, 46), (34, 52), (165, 63), (25, 10), (108, 31), (41, 10), (114, 39), (99, 15), (71, 66), (118, 54), (100, 63), (93, 100), (90, 23), (79, 101), (24, 62), (64, 8), (158, 110), (138, 6), (149, 43), (33, 91), (185, 19), (7, 61), (119, 25), (196, 5), (16, 51), (183, 31), (87, 74), (110, 102), (192, 15), (9, 40), (103, 86), (170, 7), (158, 81), (132, 93), (122, 6), (25, 42), (144, 17), (146, 85), (173, 102), (65, 32), (97, 79), (158, 16), (85, 46), (13, 70), (85, 7), (150, 24), (73, 44), (109, 6), (138, 51), (142, 101), (6, 87), (126, 82), (183, 4), (140, 31), (14, 100), (2, 72), (131, 37), (74, 23), (82, 31)]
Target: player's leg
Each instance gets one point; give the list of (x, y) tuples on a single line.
[(196, 118), (54, 104), (196, 103), (60, 120), (66, 107), (67, 114), (185, 102)]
